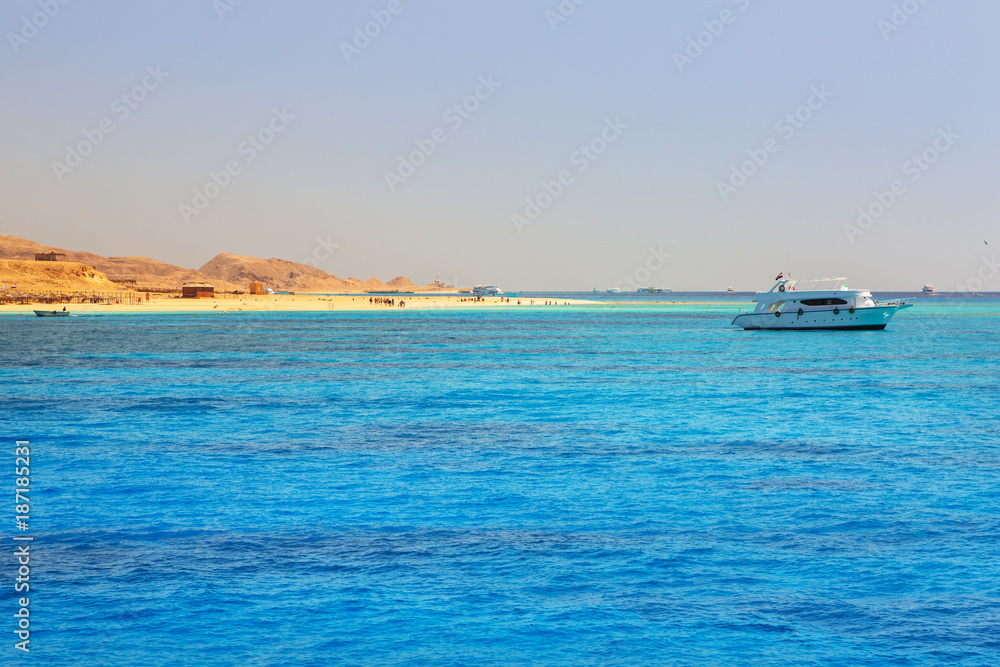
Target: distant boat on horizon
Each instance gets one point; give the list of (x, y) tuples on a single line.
[(614, 290), (486, 290), (653, 290), (730, 289), (929, 290)]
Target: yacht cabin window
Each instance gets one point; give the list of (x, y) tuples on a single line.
[(824, 302)]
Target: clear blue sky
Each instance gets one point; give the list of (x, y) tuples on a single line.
[(673, 130)]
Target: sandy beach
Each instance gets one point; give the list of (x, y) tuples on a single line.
[(295, 302), (159, 303)]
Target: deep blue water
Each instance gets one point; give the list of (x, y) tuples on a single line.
[(573, 486)]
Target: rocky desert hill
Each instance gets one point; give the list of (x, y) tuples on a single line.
[(274, 273), (293, 276), (66, 276), (147, 273), (226, 271)]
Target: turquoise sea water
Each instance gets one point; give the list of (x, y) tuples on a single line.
[(604, 485)]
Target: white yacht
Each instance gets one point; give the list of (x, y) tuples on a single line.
[(826, 303), (929, 290), (654, 290), (730, 289), (486, 290), (613, 290)]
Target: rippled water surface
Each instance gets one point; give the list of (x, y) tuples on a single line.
[(583, 486)]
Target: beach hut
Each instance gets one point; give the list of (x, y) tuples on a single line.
[(197, 291), (256, 288)]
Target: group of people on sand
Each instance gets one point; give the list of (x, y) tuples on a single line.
[(507, 300), (502, 299), (385, 301)]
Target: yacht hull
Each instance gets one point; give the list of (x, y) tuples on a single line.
[(842, 319)]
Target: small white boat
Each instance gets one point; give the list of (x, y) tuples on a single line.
[(826, 303), (486, 290), (929, 290), (52, 313), (730, 289)]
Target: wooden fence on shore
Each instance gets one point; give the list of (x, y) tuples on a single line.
[(24, 297), (121, 297)]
